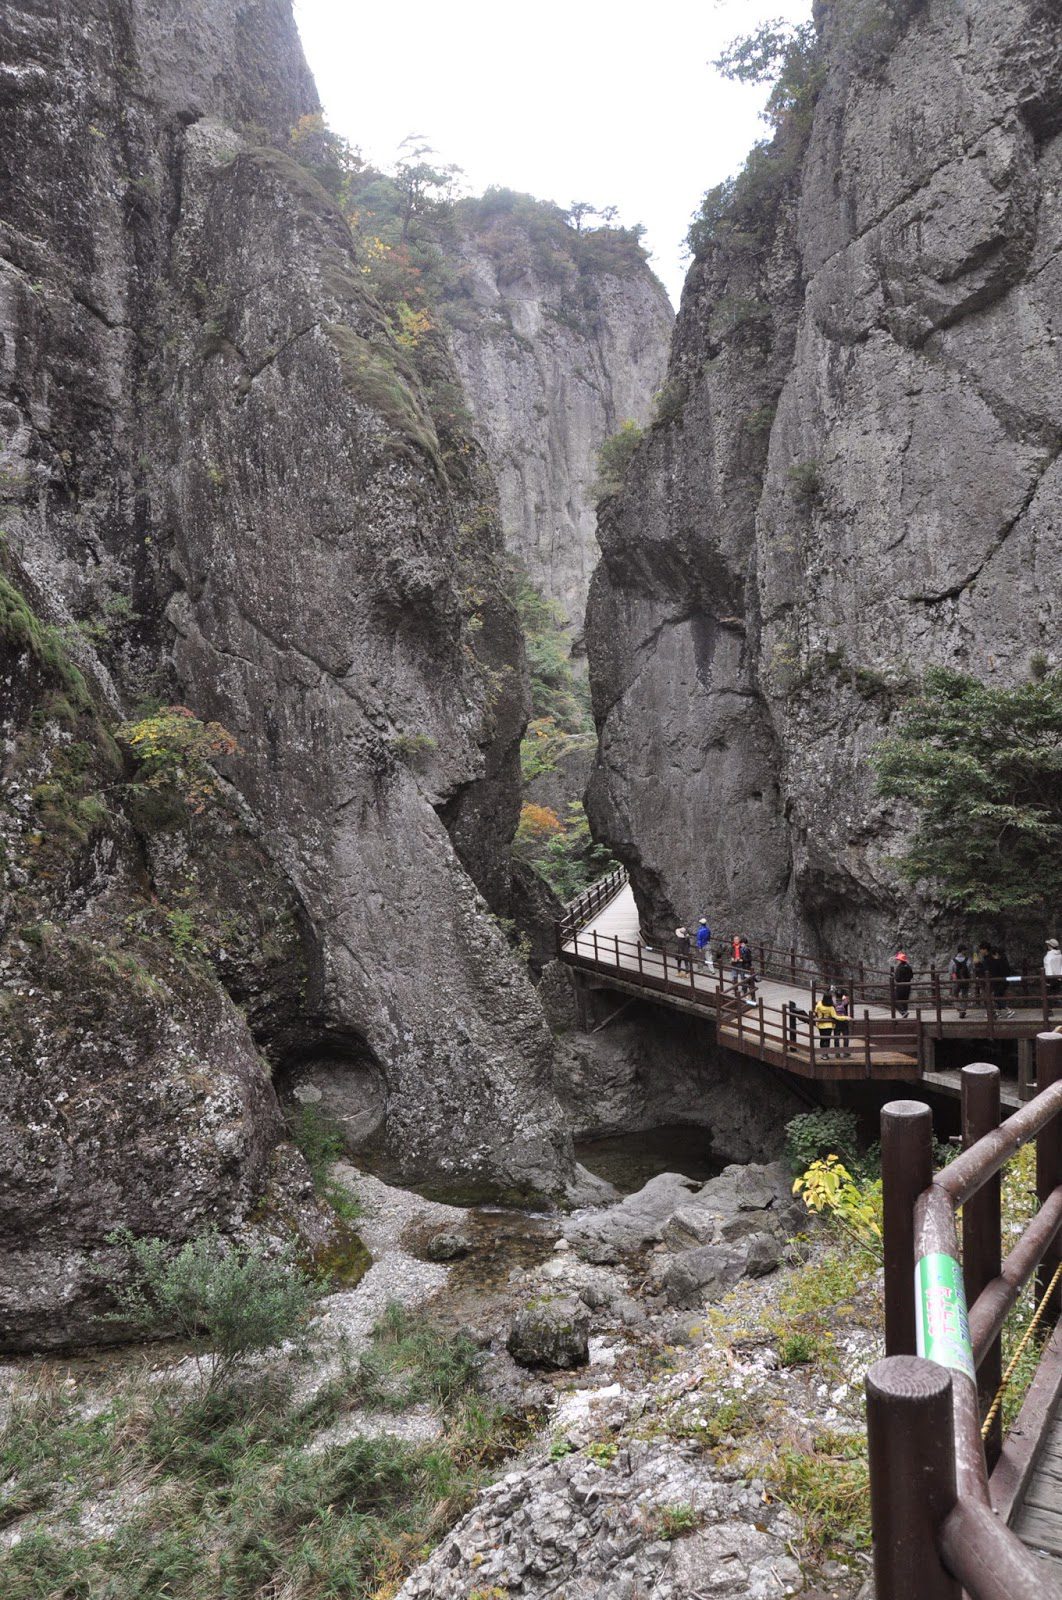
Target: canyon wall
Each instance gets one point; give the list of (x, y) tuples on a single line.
[(859, 479), (559, 337), (225, 486)]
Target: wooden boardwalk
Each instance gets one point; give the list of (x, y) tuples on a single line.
[(601, 937)]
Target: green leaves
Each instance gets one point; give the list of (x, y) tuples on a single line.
[(983, 767)]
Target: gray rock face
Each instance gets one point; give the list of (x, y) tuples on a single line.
[(864, 481), (551, 1333), (573, 1527), (553, 358), (208, 424)]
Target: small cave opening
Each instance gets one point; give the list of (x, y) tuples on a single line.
[(333, 1072)]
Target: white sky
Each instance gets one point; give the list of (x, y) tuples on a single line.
[(596, 100)]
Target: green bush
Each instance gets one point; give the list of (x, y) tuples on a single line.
[(613, 458), (230, 1301), (816, 1134)]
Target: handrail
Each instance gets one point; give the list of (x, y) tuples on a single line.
[(994, 997), (934, 1525), (792, 1033)]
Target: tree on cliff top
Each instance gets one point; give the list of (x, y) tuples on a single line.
[(983, 767)]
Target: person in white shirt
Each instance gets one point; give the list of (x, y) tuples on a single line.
[(1053, 966)]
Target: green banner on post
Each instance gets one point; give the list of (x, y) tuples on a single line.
[(943, 1325)]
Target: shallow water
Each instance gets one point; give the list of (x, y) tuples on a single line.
[(630, 1159)]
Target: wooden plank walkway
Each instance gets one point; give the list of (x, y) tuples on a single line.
[(1038, 1524), (775, 1029)]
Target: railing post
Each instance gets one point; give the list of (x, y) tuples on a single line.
[(811, 1042), (934, 976), (639, 949), (866, 1038), (663, 952), (1049, 1159), (920, 1045), (906, 1169), (892, 991), (982, 1255), (912, 1476), (763, 1030), (615, 940)]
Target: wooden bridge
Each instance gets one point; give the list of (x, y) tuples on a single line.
[(599, 936)]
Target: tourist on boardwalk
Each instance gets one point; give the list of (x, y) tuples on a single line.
[(842, 1006), (960, 973), (741, 968), (684, 949), (1053, 966), (902, 974), (826, 1019), (979, 967), (998, 973), (704, 943)]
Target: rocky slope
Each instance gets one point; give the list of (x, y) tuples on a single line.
[(225, 484), (559, 337), (861, 477)]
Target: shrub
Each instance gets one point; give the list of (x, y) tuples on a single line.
[(614, 457), (827, 1186), (173, 751), (230, 1301), (821, 1133), (413, 748), (806, 480), (536, 823)]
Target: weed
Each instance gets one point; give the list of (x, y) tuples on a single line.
[(797, 1349), (603, 1453), (829, 1487), (675, 1520)]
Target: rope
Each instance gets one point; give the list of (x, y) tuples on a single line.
[(1016, 1357)]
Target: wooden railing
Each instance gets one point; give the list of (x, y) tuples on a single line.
[(786, 1035), (939, 1525), (1027, 995)]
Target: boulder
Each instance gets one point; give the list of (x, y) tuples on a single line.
[(762, 1255), (636, 1221), (551, 1333), (449, 1245), (693, 1276)]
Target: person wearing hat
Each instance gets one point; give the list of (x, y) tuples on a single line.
[(682, 936), (704, 943), (1053, 966), (902, 973)]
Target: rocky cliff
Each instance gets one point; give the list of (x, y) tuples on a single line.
[(226, 487), (859, 477), (559, 336)]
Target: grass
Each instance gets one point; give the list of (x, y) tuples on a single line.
[(234, 1505), (828, 1486), (319, 1139)]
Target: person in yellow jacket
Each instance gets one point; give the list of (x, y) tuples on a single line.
[(826, 1019)]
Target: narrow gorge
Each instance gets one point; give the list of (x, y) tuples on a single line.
[(382, 565)]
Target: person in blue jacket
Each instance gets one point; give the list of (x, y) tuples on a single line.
[(704, 943)]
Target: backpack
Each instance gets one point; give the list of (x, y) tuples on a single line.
[(960, 966)]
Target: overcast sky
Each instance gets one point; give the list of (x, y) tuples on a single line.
[(565, 99)]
